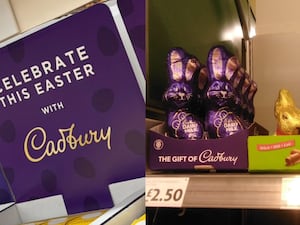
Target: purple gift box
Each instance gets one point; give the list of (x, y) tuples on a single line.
[(72, 112), (223, 154)]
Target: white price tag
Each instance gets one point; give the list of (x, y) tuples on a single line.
[(290, 191), (165, 191)]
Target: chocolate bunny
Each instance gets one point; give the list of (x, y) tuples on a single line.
[(223, 98), (245, 89), (287, 114), (179, 98)]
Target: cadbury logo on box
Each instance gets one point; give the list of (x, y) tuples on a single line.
[(48, 148)]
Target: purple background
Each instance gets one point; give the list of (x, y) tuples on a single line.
[(110, 98), (133, 14)]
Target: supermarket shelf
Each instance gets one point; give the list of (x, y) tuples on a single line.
[(242, 190)]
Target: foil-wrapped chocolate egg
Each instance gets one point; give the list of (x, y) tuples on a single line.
[(184, 125)]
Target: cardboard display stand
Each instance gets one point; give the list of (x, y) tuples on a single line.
[(6, 195), (9, 214), (223, 154), (72, 109)]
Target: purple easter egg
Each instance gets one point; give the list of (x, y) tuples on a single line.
[(223, 122), (184, 125)]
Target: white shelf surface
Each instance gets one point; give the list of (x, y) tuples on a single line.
[(242, 190)]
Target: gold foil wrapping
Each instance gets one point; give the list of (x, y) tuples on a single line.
[(287, 114)]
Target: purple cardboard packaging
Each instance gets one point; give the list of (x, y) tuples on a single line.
[(224, 154), (72, 111)]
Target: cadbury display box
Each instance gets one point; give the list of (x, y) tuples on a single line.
[(223, 154), (72, 107), (274, 153), (182, 77)]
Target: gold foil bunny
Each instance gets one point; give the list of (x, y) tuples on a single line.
[(286, 114)]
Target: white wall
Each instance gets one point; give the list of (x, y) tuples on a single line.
[(30, 13), (8, 23), (276, 58), (17, 16), (277, 16)]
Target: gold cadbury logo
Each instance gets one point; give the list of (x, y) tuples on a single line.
[(36, 141)]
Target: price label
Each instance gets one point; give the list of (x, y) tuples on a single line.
[(165, 191), (290, 193)]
